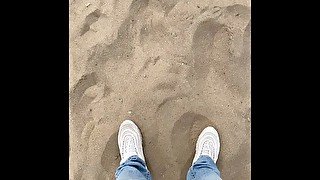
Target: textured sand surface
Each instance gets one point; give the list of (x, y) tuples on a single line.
[(174, 67)]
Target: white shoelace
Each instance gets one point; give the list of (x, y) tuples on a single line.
[(129, 147), (207, 149)]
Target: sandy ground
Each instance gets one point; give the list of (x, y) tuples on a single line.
[(174, 67)]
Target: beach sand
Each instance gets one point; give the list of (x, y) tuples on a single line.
[(173, 67)]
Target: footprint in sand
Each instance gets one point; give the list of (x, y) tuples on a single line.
[(110, 157), (184, 136), (78, 90), (91, 18), (236, 72), (218, 47), (203, 45)]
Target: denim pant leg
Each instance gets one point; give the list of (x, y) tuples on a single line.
[(204, 169), (133, 169)]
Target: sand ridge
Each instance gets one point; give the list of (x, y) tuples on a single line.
[(174, 67)]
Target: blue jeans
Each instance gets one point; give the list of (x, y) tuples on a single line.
[(135, 169)]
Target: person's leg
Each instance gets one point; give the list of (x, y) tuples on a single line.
[(207, 151), (204, 169), (133, 168), (132, 164)]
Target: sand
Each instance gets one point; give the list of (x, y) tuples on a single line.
[(174, 67)]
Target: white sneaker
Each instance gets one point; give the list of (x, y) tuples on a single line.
[(208, 143), (129, 141)]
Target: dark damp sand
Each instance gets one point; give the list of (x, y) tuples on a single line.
[(172, 67)]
